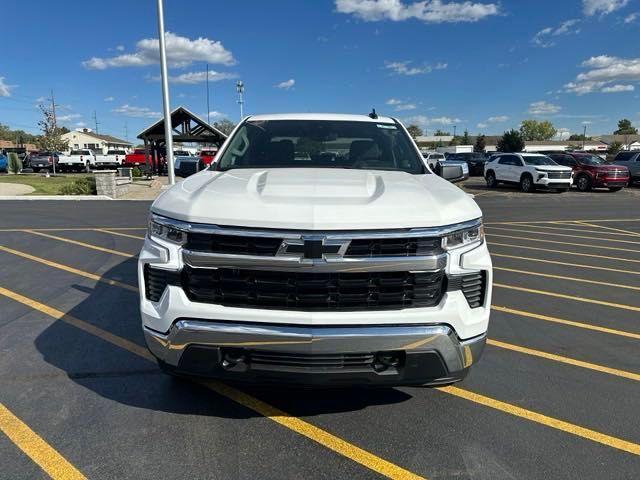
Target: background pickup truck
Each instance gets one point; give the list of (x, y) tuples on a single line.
[(113, 158), (45, 161), (77, 160)]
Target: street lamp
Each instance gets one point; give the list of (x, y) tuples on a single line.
[(454, 131), (168, 135), (240, 90)]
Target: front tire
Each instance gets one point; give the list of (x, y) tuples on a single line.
[(526, 184), (583, 183), (491, 180)]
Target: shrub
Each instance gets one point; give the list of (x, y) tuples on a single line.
[(136, 172), (81, 186), (14, 164)]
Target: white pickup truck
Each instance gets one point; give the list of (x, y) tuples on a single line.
[(112, 159), (78, 160), (318, 250)]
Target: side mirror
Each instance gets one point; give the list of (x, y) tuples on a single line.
[(452, 173)]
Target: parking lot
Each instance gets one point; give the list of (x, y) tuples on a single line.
[(556, 394)]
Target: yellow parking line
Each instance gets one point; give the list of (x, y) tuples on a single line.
[(82, 244), (616, 240), (599, 220), (567, 360), (562, 321), (568, 297), (627, 232), (565, 252), (555, 262), (561, 277), (69, 269), (322, 437), (69, 229), (43, 454), (540, 240), (583, 230), (109, 231), (551, 422)]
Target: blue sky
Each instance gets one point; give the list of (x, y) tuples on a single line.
[(481, 65)]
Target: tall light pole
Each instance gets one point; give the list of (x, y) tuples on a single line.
[(208, 108), (454, 131), (168, 136), (584, 136), (240, 90)]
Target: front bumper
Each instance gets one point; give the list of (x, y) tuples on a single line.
[(552, 183), (422, 354)]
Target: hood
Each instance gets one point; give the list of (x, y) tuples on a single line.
[(316, 199), (611, 167), (552, 168)]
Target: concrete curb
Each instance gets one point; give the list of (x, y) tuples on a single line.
[(54, 197)]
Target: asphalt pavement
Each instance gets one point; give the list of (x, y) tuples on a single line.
[(556, 394)]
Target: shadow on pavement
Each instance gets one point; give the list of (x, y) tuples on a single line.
[(122, 376)]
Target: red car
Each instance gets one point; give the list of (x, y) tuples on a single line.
[(208, 156), (591, 171)]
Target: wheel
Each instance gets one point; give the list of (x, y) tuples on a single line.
[(615, 189), (491, 180), (583, 183), (526, 184)]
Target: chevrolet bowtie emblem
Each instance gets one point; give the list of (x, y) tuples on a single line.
[(313, 248)]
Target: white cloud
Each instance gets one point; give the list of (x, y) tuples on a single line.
[(424, 121), (136, 112), (563, 133), (482, 125), (181, 52), (603, 7), (404, 68), (191, 78), (498, 119), (5, 90), (68, 117), (81, 124), (618, 88), (109, 99), (429, 11), (586, 122), (544, 37), (404, 107), (543, 108), (120, 48), (286, 85), (215, 114), (393, 101), (632, 17), (602, 71)]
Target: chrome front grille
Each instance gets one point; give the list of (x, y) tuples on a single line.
[(559, 175)]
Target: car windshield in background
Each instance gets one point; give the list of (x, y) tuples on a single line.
[(538, 160), (321, 144), (591, 160)]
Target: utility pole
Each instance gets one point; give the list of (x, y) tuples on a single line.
[(584, 137), (168, 135), (240, 90), (208, 109), (454, 131), (95, 119), (126, 131), (55, 129)]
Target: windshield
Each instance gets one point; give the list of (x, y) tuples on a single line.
[(538, 160), (321, 144), (591, 160), (78, 152)]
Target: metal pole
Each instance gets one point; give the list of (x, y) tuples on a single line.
[(168, 135), (55, 130), (584, 137), (240, 90), (208, 109)]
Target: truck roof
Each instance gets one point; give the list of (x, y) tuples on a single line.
[(321, 116)]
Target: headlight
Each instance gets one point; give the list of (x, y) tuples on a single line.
[(463, 237), (160, 227)]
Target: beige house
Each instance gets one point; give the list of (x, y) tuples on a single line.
[(99, 143)]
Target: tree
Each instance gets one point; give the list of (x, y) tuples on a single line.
[(511, 141), (465, 138), (440, 133), (225, 126), (51, 138), (64, 129), (625, 128), (481, 144), (14, 165), (578, 137), (454, 141), (614, 148), (535, 130), (415, 131)]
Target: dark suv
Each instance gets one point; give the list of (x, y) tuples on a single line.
[(475, 160), (591, 171)]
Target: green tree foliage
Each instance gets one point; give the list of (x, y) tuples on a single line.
[(441, 133), (225, 126), (465, 138), (511, 141), (415, 131), (481, 144), (614, 148), (578, 137), (14, 164), (51, 138), (6, 133), (532, 130), (625, 128)]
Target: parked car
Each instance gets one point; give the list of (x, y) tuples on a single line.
[(631, 160), (4, 162), (135, 159), (279, 266), (475, 161), (432, 158), (459, 169), (529, 171), (78, 160), (113, 159), (591, 171), (46, 160), (208, 156), (185, 165)]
